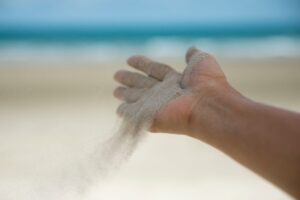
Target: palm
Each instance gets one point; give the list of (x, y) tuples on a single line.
[(175, 114)]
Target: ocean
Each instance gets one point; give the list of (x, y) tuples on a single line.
[(106, 42)]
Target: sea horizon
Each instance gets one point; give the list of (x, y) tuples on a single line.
[(140, 33), (106, 42)]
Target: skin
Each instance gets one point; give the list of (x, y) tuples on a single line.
[(263, 138)]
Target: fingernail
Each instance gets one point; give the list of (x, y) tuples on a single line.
[(190, 52)]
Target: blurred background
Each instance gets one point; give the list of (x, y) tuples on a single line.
[(57, 59)]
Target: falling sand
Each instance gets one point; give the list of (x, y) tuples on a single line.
[(108, 156), (143, 100)]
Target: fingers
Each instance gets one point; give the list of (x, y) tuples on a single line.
[(193, 55), (190, 52), (151, 68), (121, 110), (129, 95), (199, 65), (132, 79)]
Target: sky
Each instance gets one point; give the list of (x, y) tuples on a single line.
[(127, 12)]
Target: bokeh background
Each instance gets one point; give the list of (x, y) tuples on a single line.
[(57, 59)]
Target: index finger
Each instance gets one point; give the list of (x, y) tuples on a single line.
[(152, 68)]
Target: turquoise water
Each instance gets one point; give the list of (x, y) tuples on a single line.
[(105, 42), (135, 21), (141, 34)]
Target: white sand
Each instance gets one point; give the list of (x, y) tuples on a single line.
[(52, 118)]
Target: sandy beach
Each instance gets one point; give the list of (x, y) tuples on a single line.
[(54, 112)]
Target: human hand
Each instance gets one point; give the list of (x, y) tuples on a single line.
[(201, 82), (200, 103)]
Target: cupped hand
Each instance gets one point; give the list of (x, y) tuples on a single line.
[(201, 82)]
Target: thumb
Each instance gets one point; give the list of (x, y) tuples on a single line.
[(199, 64), (190, 52)]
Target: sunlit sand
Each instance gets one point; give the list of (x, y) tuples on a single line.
[(52, 117)]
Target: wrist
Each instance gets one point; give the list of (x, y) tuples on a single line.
[(215, 114)]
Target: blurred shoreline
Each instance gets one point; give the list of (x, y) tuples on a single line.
[(252, 47), (271, 78)]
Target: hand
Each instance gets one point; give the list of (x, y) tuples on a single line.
[(201, 81), (203, 105)]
